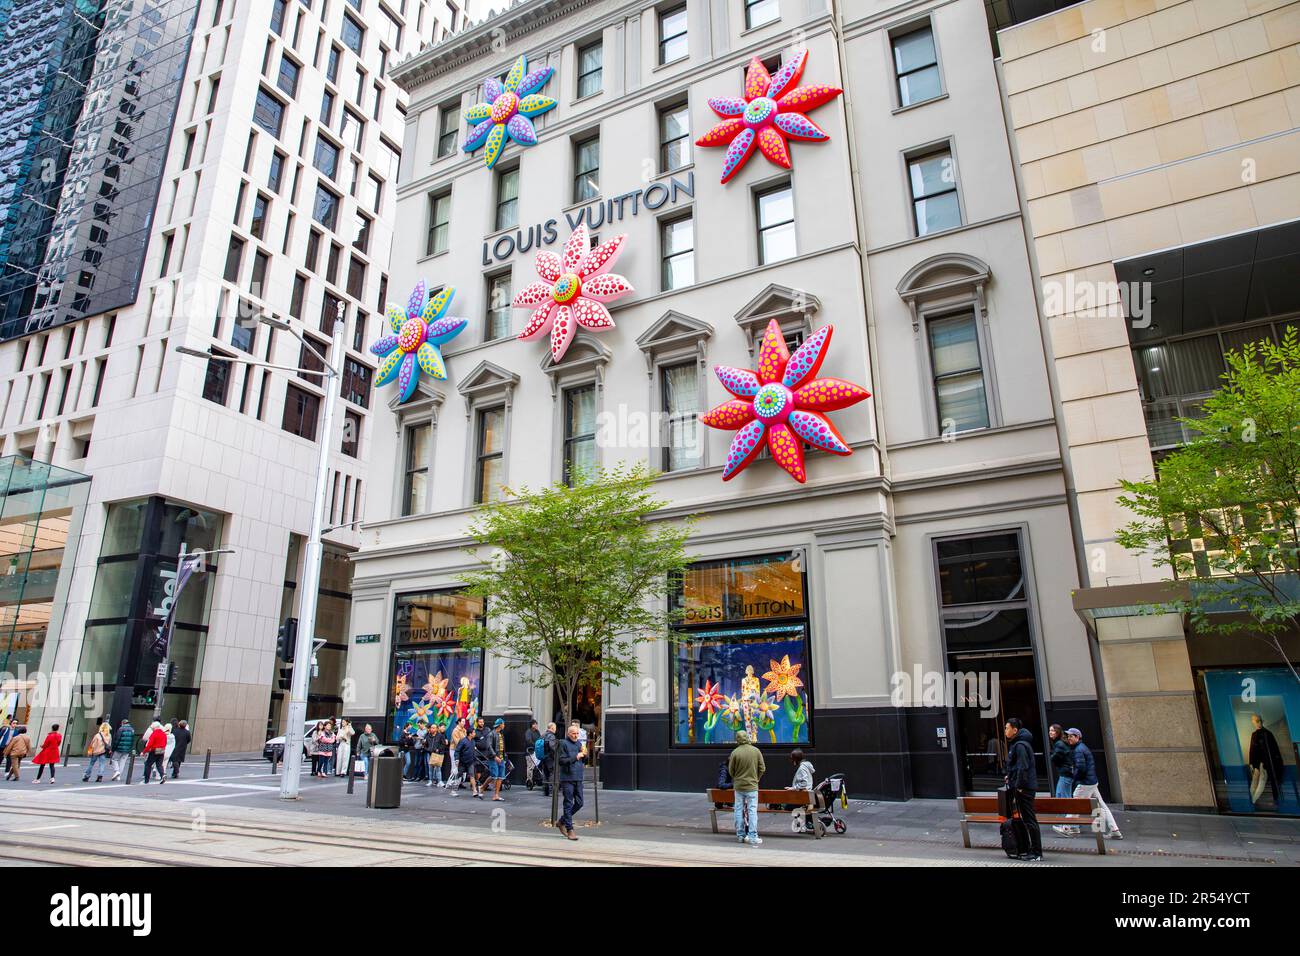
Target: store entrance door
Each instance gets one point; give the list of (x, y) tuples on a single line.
[(586, 711), (1011, 688)]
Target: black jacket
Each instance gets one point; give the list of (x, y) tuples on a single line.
[(466, 756), (571, 768), (1021, 773), (1062, 759), (549, 748), (1264, 752), (183, 737), (530, 739)]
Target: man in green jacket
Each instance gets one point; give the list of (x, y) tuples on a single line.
[(123, 744), (746, 768)]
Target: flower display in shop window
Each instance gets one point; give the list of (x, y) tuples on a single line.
[(782, 678), (782, 405), (414, 343), (769, 114), (574, 287), (508, 111)]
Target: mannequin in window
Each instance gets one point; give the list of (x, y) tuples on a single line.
[(750, 687), (1265, 761)]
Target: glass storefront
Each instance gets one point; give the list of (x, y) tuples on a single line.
[(740, 661), (1254, 723), (433, 678)]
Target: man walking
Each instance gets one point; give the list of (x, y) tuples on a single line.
[(123, 745), (571, 756), (1085, 785), (183, 738), (746, 767), (8, 733), (1022, 781)]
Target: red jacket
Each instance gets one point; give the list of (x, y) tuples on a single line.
[(49, 752), (157, 741)]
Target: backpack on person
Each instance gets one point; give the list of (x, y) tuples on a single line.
[(539, 749)]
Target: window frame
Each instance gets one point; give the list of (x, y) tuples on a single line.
[(661, 16), (580, 173), (435, 199), (785, 184), (900, 32), (920, 154), (480, 456), (579, 49)]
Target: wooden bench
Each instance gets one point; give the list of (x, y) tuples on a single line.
[(726, 800), (1068, 811)]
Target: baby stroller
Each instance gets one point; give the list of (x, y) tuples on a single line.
[(829, 797)]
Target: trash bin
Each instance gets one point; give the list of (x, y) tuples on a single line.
[(384, 788)]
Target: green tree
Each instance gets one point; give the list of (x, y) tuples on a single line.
[(1236, 485), (574, 578)]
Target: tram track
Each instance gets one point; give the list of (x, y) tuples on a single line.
[(459, 850)]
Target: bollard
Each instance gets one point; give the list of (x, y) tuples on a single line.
[(595, 776), (207, 763), (352, 769), (130, 767)]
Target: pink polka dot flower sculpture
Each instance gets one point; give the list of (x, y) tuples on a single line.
[(769, 115), (508, 112), (782, 404), (573, 289), (414, 345)]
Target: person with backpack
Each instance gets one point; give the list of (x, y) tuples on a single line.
[(466, 758), (549, 745), (1062, 761), (98, 749), (1086, 785), (531, 736), (123, 747), (746, 767), (1022, 783)]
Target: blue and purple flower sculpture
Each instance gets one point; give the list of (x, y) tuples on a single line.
[(509, 110), (414, 345)]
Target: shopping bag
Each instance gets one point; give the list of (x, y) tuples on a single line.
[(1006, 806)]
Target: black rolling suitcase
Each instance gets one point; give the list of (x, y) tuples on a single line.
[(1015, 838)]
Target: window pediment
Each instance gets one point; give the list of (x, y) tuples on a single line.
[(586, 354), (671, 332), (792, 308), (487, 380), (943, 280)]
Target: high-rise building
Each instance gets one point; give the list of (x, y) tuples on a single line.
[(176, 170)]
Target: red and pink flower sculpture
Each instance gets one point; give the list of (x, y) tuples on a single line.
[(783, 403), (574, 288), (770, 114)]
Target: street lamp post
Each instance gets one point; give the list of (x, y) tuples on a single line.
[(297, 713)]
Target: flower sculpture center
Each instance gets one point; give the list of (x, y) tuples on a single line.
[(567, 287), (504, 106), (772, 403), (412, 335), (759, 111)]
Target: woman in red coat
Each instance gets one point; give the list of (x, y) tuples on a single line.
[(49, 753)]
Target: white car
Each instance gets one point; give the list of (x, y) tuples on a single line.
[(276, 744)]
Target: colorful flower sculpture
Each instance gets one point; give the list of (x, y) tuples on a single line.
[(768, 116), (573, 289), (709, 698), (436, 687), (783, 402), (414, 345), (767, 710), (796, 714), (509, 111), (782, 678), (400, 688)]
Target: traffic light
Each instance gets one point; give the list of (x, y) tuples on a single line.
[(286, 640), (285, 679)]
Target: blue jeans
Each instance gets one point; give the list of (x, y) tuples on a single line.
[(1064, 787), (365, 763), (327, 763), (571, 790), (100, 761), (747, 808)]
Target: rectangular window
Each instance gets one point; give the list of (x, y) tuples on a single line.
[(507, 198), (301, 411), (234, 259), (352, 129), (356, 286), (268, 113), (672, 34), (332, 64), (934, 192), (776, 239), (415, 480), (744, 636), (586, 169), (275, 178), (299, 296), (361, 238), (216, 382), (674, 137), (257, 226), (353, 33), (439, 223), (355, 386), (277, 15), (679, 385), (326, 158), (958, 372), (351, 434), (287, 80), (579, 432), (916, 66), (313, 250), (490, 455), (257, 281), (448, 124), (590, 69), (498, 306), (327, 109), (677, 248), (326, 208), (760, 13)]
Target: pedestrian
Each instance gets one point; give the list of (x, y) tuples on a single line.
[(311, 747), (19, 746), (325, 742), (171, 743), (1062, 763), (1265, 762), (466, 761), (7, 733), (550, 744), (454, 781), (571, 756), (1086, 785), (1022, 781), (482, 755), (344, 748), (123, 747), (803, 771), (436, 746), (48, 756), (497, 759), (746, 767), (155, 745), (183, 738), (406, 744), (98, 749), (366, 745)]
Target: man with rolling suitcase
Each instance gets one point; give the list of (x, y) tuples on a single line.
[(1022, 785)]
